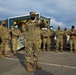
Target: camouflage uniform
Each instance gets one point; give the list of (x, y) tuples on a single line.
[(59, 39), (5, 37), (65, 36), (15, 35), (32, 41), (46, 39), (72, 34), (52, 35)]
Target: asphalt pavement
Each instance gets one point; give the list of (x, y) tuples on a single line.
[(52, 63)]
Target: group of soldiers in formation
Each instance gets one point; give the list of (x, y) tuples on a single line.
[(36, 36)]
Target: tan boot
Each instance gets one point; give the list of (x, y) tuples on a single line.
[(48, 49), (28, 68), (61, 50), (14, 52), (7, 55), (1, 56), (43, 50), (56, 50), (74, 51), (36, 66), (70, 51)]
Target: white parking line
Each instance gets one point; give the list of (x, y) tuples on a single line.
[(57, 65)]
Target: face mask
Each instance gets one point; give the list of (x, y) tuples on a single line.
[(32, 18), (16, 26), (58, 28), (51, 28), (4, 25)]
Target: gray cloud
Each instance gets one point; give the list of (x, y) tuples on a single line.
[(61, 11)]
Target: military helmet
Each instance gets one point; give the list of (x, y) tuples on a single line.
[(32, 14), (14, 23)]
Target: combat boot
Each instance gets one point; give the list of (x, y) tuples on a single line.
[(14, 52), (43, 50), (61, 50), (70, 51), (28, 68), (36, 66), (56, 50), (48, 50), (7, 55), (1, 56), (74, 51)]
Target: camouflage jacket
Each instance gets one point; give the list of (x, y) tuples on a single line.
[(52, 33), (72, 34), (33, 30), (16, 33), (59, 34), (4, 33), (45, 33), (65, 35)]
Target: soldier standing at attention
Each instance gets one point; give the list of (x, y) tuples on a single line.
[(32, 41), (5, 37), (72, 34), (59, 39)]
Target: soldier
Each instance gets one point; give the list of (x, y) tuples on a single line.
[(45, 33), (15, 35), (32, 41), (59, 39), (42, 26), (65, 37), (72, 34), (52, 35), (5, 37)]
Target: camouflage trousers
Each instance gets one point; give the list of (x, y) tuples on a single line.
[(65, 42), (32, 48), (1, 49), (52, 42), (4, 46), (14, 44), (46, 42), (72, 42), (59, 43)]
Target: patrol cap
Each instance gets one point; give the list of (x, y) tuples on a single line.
[(33, 14), (3, 22)]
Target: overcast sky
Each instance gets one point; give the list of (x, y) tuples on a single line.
[(62, 12)]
